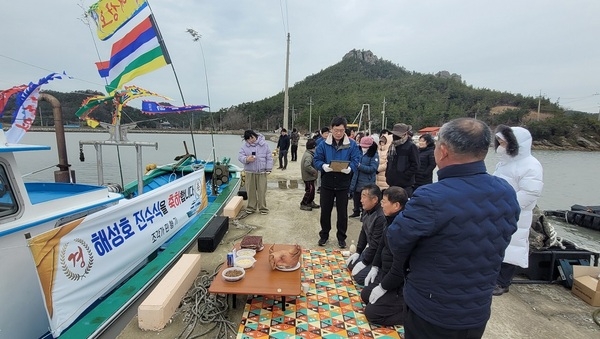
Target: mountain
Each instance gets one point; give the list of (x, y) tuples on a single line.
[(361, 78)]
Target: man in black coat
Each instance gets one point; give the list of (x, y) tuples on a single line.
[(384, 282), (283, 145), (402, 159)]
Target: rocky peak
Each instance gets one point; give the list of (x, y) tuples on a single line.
[(363, 55)]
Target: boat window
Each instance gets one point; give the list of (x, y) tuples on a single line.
[(8, 203)]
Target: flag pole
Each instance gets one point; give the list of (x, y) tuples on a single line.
[(163, 46)]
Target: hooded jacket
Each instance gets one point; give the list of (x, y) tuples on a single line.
[(383, 151), (525, 174), (367, 169), (264, 158), (427, 164)]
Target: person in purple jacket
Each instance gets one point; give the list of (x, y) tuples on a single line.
[(256, 156)]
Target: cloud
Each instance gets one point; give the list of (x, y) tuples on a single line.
[(514, 46)]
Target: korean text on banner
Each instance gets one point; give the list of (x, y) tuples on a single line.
[(110, 15)]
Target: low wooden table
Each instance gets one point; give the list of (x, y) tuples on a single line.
[(261, 279)]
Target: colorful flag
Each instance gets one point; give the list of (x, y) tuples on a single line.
[(150, 107), (93, 123), (135, 92), (139, 52), (90, 104), (110, 15), (27, 102), (6, 94)]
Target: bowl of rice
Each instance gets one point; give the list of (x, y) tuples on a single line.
[(245, 252), (244, 262)]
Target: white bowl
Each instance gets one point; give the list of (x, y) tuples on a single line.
[(244, 261), (245, 252), (227, 272)]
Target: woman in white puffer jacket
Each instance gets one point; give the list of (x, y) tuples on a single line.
[(525, 174)]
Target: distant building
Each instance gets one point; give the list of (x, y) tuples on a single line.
[(431, 130)]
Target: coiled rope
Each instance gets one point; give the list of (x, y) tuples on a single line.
[(201, 307), (596, 316)]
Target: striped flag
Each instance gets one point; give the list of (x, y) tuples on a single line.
[(139, 52)]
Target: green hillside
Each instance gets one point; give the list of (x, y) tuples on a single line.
[(362, 78)]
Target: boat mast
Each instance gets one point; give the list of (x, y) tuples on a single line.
[(286, 99)]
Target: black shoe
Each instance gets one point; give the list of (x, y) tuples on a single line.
[(342, 243), (279, 167), (499, 290), (305, 207), (355, 215), (313, 205), (322, 242)]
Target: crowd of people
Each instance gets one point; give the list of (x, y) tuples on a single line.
[(430, 255)]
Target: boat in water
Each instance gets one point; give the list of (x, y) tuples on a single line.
[(580, 215), (76, 256)]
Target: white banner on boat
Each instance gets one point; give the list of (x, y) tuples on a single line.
[(81, 261)]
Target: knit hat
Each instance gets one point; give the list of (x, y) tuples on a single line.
[(366, 142)]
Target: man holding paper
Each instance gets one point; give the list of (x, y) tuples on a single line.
[(336, 176)]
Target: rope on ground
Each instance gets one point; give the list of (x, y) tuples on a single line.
[(596, 316), (205, 308)]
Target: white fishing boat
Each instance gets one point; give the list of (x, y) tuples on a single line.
[(72, 250)]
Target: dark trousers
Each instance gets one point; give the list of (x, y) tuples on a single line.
[(360, 277), (283, 158), (417, 327), (388, 310), (409, 191), (507, 272), (357, 205), (294, 152), (309, 192), (340, 197)]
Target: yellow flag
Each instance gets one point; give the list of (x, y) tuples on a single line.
[(92, 122)]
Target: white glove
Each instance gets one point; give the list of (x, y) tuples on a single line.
[(359, 267), (346, 170), (326, 168), (376, 293), (370, 278), (352, 259)]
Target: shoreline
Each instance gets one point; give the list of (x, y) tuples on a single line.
[(543, 145)]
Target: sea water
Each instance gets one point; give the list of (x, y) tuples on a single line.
[(570, 177)]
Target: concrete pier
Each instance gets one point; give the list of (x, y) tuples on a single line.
[(527, 311)]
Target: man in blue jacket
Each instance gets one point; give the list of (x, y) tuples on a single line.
[(452, 236), (334, 184)]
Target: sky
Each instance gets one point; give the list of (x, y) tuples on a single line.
[(533, 47)]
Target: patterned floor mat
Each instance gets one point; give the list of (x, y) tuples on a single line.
[(332, 308)]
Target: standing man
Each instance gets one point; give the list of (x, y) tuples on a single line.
[(294, 138), (283, 145), (334, 184), (452, 235), (402, 159)]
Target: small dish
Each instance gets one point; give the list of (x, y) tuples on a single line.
[(244, 262), (233, 273), (245, 252)]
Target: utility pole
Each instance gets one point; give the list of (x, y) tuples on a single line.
[(383, 115), (310, 104), (286, 99), (293, 116), (539, 105)]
